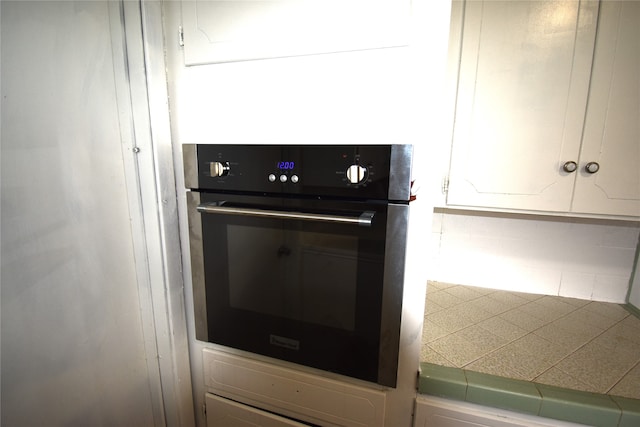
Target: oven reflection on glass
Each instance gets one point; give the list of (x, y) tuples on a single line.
[(303, 276)]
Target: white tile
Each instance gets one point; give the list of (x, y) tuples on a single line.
[(575, 284), (436, 222), (610, 288), (601, 260), (536, 255), (622, 236), (434, 246), (539, 280)]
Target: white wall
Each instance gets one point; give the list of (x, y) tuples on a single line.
[(74, 327), (580, 258)]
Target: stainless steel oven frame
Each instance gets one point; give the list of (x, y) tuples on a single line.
[(394, 260)]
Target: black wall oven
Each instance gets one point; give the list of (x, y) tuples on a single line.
[(297, 252)]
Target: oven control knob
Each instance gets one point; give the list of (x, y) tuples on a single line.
[(356, 173), (218, 169)]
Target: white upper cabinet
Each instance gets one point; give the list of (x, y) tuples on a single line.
[(523, 133), (236, 30), (612, 127)]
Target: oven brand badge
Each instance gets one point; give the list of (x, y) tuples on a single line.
[(289, 343)]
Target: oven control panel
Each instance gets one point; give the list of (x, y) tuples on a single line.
[(362, 171)]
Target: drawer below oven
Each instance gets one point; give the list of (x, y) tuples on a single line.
[(223, 412), (292, 393)]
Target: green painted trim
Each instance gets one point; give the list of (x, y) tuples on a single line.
[(500, 392), (630, 411), (442, 381), (578, 406), (632, 309), (527, 397)]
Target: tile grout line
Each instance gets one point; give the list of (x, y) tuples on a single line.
[(622, 377), (584, 345), (517, 307), (532, 332), (525, 335)]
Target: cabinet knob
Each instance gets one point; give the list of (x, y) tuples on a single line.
[(570, 166), (592, 167)]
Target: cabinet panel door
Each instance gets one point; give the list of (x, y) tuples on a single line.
[(237, 30), (223, 412), (612, 125), (522, 90)]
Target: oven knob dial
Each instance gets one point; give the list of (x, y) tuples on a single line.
[(218, 169), (356, 174)]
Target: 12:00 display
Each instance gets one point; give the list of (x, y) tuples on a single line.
[(285, 165)]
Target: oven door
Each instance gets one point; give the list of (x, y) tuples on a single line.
[(306, 281)]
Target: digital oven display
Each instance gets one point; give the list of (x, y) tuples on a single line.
[(284, 165)]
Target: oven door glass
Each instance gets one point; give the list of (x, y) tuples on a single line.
[(298, 280)]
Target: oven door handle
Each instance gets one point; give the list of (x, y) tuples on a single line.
[(365, 219)]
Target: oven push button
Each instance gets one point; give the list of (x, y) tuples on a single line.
[(272, 178), (283, 178)]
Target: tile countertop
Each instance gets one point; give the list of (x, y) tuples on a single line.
[(528, 397)]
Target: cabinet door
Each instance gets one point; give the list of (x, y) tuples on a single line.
[(437, 412), (522, 91), (223, 412), (612, 125), (236, 30)]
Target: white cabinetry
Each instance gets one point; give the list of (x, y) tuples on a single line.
[(223, 412), (612, 126), (436, 412), (290, 393), (236, 30), (528, 102)]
